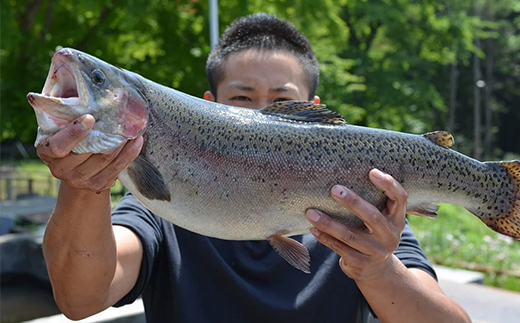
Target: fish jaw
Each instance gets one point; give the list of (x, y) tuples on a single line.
[(69, 92), (64, 97)]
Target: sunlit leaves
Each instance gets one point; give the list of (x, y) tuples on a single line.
[(384, 63)]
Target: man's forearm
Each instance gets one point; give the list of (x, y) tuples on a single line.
[(80, 250), (400, 296)]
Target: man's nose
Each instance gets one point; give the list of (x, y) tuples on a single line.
[(260, 104)]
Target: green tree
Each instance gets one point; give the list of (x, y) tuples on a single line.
[(384, 63)]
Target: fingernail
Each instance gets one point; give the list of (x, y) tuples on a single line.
[(377, 174), (339, 191), (138, 141), (84, 122), (313, 215)]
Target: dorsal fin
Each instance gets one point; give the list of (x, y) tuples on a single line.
[(441, 138), (304, 111)]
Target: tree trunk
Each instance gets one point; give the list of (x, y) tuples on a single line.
[(454, 74)]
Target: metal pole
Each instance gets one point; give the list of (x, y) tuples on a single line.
[(477, 85), (9, 188), (30, 186), (213, 22)]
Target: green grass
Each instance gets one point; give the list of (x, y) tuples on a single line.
[(459, 239), (43, 181)]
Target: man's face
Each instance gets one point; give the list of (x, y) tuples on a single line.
[(254, 79)]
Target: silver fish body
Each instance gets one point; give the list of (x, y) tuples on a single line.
[(241, 174)]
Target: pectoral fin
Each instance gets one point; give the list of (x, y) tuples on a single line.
[(292, 251), (148, 180), (428, 210)]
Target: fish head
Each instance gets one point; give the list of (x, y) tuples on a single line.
[(79, 84)]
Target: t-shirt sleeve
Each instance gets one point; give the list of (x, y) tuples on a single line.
[(133, 215), (411, 254)]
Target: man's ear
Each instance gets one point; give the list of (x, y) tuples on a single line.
[(316, 99), (209, 96)]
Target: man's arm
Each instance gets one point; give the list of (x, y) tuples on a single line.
[(395, 293), (91, 264)]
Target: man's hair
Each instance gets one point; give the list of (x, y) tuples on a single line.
[(264, 32)]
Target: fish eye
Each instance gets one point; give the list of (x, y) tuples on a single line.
[(98, 76)]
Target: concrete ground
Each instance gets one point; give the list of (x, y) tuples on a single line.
[(485, 304)]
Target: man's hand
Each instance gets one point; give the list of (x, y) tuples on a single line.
[(365, 254), (93, 172)]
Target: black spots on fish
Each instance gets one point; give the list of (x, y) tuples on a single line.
[(239, 138), (258, 179)]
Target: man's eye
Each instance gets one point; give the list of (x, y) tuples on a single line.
[(240, 98)]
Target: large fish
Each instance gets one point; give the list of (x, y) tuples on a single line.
[(241, 174)]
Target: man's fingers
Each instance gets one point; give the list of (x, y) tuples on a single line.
[(355, 239), (98, 162), (338, 246), (397, 195), (111, 171), (61, 144), (368, 213)]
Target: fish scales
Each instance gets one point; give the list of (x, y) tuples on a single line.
[(278, 167), (240, 174)]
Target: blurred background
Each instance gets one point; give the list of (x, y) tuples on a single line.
[(408, 65)]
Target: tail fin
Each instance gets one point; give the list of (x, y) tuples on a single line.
[(508, 223)]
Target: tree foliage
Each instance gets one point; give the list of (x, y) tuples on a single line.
[(384, 63)]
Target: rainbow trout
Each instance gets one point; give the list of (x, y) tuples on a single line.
[(241, 174)]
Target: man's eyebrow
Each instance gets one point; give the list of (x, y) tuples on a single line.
[(241, 87), (282, 88)]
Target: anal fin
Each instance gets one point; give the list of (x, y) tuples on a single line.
[(292, 251), (427, 210), (148, 180)]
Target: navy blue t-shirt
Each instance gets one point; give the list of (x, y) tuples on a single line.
[(186, 277)]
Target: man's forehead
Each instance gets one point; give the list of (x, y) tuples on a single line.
[(245, 69)]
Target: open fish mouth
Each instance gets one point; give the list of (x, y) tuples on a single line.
[(64, 96), (62, 84)]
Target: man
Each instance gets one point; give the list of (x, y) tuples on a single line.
[(96, 261)]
